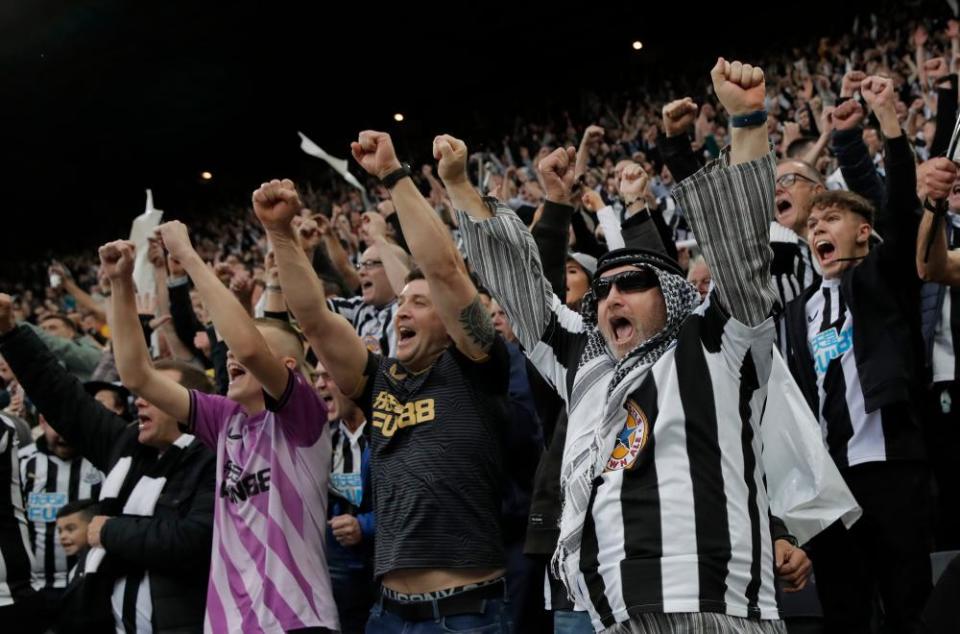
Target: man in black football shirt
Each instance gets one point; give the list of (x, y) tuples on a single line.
[(436, 411)]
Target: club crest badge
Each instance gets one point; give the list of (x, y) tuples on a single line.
[(631, 440)]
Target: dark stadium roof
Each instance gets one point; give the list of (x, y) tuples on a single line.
[(101, 99)]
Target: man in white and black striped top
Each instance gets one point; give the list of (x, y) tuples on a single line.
[(350, 511), (793, 268), (52, 474), (371, 313), (18, 601), (664, 397), (854, 348)]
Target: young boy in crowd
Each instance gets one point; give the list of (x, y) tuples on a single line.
[(78, 609), (268, 569), (73, 519)]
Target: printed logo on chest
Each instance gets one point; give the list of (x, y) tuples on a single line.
[(631, 440), (389, 414)]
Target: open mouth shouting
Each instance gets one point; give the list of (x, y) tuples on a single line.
[(826, 251), (622, 329), (784, 207), (235, 371), (405, 335)]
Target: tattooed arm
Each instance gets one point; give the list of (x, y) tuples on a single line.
[(450, 289)]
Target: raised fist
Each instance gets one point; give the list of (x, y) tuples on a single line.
[(155, 252), (936, 68), (176, 239), (592, 201), (373, 226), (847, 115), (593, 134), (7, 321), (117, 258), (375, 154), (826, 120), (557, 171), (953, 29), (633, 182), (276, 203), (451, 154), (310, 235), (936, 177), (851, 82), (678, 116), (878, 93), (739, 87)]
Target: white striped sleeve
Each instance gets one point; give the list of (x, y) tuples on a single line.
[(505, 256), (730, 208)]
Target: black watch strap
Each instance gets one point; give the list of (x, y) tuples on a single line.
[(396, 176)]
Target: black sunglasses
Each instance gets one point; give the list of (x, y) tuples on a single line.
[(627, 282)]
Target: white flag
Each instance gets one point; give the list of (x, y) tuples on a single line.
[(339, 165), (143, 226)]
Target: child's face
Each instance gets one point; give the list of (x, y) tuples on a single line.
[(73, 533)]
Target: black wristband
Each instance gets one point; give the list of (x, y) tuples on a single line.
[(749, 120), (396, 176)]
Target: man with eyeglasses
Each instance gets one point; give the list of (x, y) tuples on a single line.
[(665, 524), (793, 268), (371, 313)]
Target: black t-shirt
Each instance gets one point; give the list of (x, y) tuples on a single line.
[(436, 459)]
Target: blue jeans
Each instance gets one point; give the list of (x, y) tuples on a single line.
[(571, 622), (494, 620)]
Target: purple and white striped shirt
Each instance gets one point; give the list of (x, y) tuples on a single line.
[(268, 570)]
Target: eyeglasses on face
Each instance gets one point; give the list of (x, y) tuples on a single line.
[(788, 180), (369, 264), (626, 282)]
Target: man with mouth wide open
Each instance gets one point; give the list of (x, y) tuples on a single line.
[(665, 524), (437, 412), (855, 350)]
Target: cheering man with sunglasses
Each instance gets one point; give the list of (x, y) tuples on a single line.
[(665, 524)]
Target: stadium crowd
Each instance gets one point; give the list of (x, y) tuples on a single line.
[(529, 388)]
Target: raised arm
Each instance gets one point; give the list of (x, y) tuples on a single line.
[(897, 221), (83, 298), (451, 290), (396, 262), (675, 148), (332, 337), (232, 321), (730, 209), (855, 162), (937, 177), (504, 254), (58, 395), (129, 349)]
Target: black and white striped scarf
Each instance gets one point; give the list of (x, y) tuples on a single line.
[(133, 488)]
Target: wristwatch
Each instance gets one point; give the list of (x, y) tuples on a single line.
[(396, 176)]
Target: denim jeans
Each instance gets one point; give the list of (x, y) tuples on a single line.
[(571, 622), (494, 620)]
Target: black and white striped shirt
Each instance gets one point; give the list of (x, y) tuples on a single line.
[(16, 560), (374, 325), (853, 435), (678, 519), (946, 337), (346, 479), (792, 270), (48, 483)]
